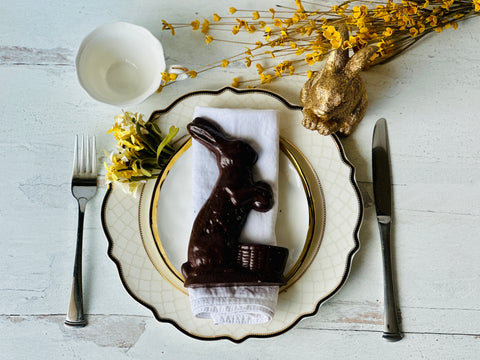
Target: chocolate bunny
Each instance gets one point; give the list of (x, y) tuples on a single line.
[(335, 99), (214, 249)]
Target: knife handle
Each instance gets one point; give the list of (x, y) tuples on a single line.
[(391, 330)]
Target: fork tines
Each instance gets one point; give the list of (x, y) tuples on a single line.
[(85, 163)]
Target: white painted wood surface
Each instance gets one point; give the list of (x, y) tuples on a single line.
[(430, 97)]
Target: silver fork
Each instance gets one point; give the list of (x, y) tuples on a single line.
[(84, 187)]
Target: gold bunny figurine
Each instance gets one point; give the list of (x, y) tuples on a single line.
[(335, 99)]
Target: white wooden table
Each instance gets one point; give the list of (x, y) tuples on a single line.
[(431, 99)]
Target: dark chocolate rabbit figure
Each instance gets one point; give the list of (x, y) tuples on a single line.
[(213, 251)]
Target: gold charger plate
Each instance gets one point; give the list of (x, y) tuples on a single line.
[(297, 178)]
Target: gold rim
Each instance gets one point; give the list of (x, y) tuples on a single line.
[(316, 213)]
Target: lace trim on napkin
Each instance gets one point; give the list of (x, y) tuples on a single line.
[(235, 305)]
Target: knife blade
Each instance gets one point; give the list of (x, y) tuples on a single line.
[(382, 192)]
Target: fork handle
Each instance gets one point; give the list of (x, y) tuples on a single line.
[(75, 315)]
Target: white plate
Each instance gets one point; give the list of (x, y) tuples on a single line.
[(320, 213)]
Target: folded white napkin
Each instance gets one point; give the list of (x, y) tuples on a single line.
[(239, 304)]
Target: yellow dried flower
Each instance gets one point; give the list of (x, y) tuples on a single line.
[(388, 32), (192, 74), (310, 59), (287, 23), (168, 26), (272, 55), (432, 20), (265, 78), (336, 42), (259, 68), (299, 51), (476, 3), (295, 18), (393, 25), (338, 10), (195, 24), (330, 33), (421, 27), (242, 23), (346, 45), (165, 77), (381, 45), (205, 26), (360, 12), (446, 4), (277, 23), (300, 8), (235, 82), (225, 63), (268, 32), (426, 3)]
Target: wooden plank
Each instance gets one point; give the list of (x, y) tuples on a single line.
[(125, 337)]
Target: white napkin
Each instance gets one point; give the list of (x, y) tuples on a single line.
[(239, 304)]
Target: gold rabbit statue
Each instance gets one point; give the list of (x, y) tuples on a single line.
[(335, 99)]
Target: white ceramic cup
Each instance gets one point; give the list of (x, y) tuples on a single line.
[(120, 64)]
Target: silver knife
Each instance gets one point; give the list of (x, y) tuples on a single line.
[(383, 203)]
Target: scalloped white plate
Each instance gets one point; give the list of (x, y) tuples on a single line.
[(322, 207)]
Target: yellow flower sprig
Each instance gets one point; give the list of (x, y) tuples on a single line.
[(142, 150), (303, 37)]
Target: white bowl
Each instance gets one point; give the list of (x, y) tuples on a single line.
[(120, 64)]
